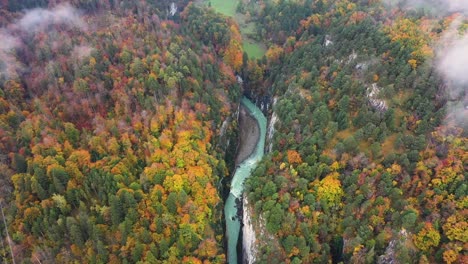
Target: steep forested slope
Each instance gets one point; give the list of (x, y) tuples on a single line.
[(110, 136), (116, 118), (364, 166)]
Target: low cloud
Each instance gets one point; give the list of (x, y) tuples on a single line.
[(437, 7), (81, 52), (34, 21), (8, 62), (451, 61), (451, 54), (457, 6), (38, 19)]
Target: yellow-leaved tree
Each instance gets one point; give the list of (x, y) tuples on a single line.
[(330, 190), (427, 238)]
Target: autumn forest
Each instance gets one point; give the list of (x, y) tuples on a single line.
[(119, 130)]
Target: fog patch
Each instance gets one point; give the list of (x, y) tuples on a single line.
[(437, 7), (82, 52), (8, 62), (39, 19), (451, 60), (35, 21)]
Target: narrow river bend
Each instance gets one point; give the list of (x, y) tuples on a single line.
[(242, 172)]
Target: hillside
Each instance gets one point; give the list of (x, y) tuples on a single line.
[(110, 136), (364, 143), (119, 131)]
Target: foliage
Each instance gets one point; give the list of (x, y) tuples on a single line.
[(369, 175), (109, 146), (113, 151)]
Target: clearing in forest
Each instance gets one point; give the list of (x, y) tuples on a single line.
[(254, 49)]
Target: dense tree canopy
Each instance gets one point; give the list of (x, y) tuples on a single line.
[(358, 110), (118, 132), (110, 140)]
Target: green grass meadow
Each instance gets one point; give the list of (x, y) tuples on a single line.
[(226, 7), (254, 49)]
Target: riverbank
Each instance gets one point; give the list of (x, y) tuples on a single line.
[(249, 134), (250, 152)]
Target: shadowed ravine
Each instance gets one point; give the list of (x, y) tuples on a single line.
[(250, 153)]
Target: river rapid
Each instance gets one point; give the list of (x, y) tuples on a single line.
[(242, 172)]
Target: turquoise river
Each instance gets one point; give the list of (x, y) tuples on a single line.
[(237, 184)]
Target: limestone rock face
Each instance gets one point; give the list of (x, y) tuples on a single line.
[(403, 238), (248, 234), (271, 127), (372, 95)]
